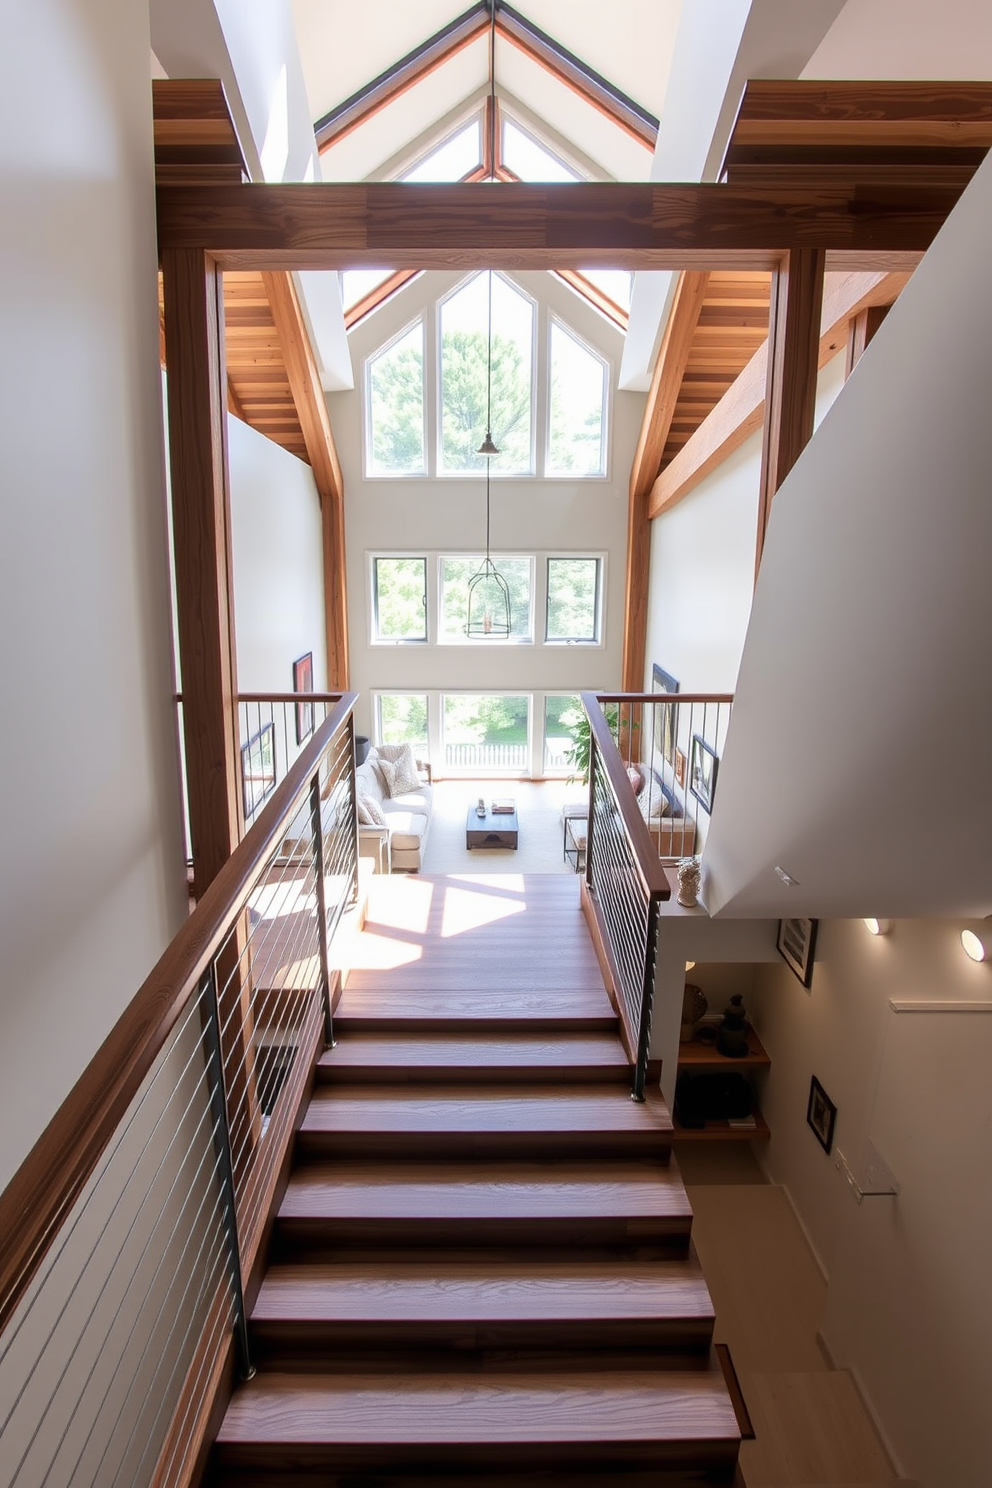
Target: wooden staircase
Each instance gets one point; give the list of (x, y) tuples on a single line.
[(482, 1262)]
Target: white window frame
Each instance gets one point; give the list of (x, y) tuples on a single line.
[(600, 560), (496, 474), (571, 475), (375, 639), (487, 643), (371, 473)]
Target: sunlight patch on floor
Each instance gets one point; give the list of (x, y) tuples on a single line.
[(378, 951), (401, 903), (470, 908)]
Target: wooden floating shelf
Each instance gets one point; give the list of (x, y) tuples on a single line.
[(698, 1057), (722, 1131)]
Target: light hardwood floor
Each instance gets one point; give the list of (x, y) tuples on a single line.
[(812, 1428)]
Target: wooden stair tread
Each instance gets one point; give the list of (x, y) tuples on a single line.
[(555, 1110), (485, 1190), (377, 1410), (387, 1055), (491, 1291)]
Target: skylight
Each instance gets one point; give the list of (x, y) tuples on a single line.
[(357, 283), (614, 284)]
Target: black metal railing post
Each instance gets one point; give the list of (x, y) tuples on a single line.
[(353, 799), (647, 1001), (225, 1163), (318, 868), (590, 819)]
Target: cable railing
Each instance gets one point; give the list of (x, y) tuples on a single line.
[(653, 766), (130, 1235), (626, 883), (672, 743)]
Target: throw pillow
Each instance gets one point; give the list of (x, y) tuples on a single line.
[(400, 776), (393, 752), (636, 779), (370, 812)]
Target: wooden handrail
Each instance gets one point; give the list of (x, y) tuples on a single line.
[(46, 1185), (289, 697), (645, 852), (664, 697)]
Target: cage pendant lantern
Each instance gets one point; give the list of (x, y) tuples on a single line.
[(488, 595)]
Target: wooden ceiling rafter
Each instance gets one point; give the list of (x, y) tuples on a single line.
[(740, 412)]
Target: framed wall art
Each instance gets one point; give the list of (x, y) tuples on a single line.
[(303, 682), (703, 764), (665, 720), (258, 769), (821, 1114), (796, 945)]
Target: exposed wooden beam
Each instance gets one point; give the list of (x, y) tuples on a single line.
[(565, 225), (860, 331), (195, 138), (740, 411), (666, 380), (874, 130), (234, 404), (791, 368), (197, 388), (665, 383), (308, 395)]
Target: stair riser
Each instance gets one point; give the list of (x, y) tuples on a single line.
[(528, 1146), (309, 1239), (569, 1477), (376, 1078), (286, 1345), (361, 1023), (695, 1461)]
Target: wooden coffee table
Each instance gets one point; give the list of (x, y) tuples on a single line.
[(495, 829)]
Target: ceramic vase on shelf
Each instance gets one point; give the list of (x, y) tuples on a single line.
[(731, 1039), (689, 877), (694, 1007)]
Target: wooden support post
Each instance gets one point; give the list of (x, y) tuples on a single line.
[(860, 332), (665, 384), (194, 335), (793, 347)]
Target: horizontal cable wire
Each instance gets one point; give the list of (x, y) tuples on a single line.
[(111, 1273)]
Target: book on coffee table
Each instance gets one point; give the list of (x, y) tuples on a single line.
[(504, 807)]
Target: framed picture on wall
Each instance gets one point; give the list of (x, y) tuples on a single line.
[(664, 717), (796, 945), (258, 769), (303, 682), (821, 1114), (703, 764)]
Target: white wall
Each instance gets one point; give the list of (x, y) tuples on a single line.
[(702, 566), (278, 564), (93, 884), (448, 515), (874, 581), (909, 1287), (906, 39)]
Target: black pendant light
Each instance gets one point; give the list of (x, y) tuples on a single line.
[(488, 592)]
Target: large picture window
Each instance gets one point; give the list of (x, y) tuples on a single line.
[(396, 406), (455, 576), (576, 429), (402, 719), (464, 377)]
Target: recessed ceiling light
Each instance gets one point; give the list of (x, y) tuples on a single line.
[(878, 927), (786, 877)]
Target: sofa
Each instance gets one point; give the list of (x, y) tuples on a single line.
[(394, 799), (664, 813)]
